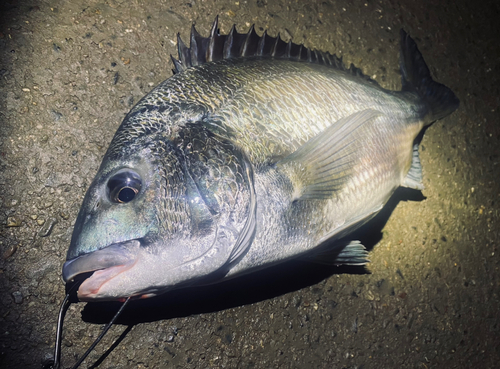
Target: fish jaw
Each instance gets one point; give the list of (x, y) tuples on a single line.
[(106, 264), (90, 288), (140, 269)]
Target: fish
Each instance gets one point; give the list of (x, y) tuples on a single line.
[(254, 152)]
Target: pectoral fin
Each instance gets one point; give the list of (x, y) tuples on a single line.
[(323, 164)]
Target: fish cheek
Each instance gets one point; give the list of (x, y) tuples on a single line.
[(124, 222)]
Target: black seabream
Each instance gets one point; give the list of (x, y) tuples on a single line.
[(255, 152)]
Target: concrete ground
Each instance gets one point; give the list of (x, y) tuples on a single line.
[(70, 71)]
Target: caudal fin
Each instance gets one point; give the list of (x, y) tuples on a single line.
[(415, 76)]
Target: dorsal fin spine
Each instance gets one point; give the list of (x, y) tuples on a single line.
[(214, 33), (229, 43), (184, 54), (193, 46), (177, 64), (288, 49), (249, 44), (274, 48), (260, 45)]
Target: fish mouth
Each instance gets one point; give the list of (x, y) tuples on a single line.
[(104, 264)]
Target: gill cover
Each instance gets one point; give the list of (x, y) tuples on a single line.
[(219, 189)]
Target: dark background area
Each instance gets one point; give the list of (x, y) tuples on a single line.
[(70, 71)]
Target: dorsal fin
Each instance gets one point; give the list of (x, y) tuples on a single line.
[(235, 45)]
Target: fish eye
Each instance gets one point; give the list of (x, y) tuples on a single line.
[(124, 186)]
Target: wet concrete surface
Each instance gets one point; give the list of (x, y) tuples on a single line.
[(70, 71)]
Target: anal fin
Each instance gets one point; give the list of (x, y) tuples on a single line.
[(354, 253), (414, 177)]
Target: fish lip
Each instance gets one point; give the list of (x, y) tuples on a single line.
[(116, 254)]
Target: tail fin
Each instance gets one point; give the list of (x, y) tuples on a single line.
[(415, 76)]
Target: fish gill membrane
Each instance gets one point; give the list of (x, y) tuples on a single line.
[(255, 152)]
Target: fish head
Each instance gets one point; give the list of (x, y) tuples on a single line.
[(163, 212)]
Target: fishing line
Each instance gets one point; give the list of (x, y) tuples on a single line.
[(62, 312), (56, 362), (105, 330)]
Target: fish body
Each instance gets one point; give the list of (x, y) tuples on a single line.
[(244, 159)]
